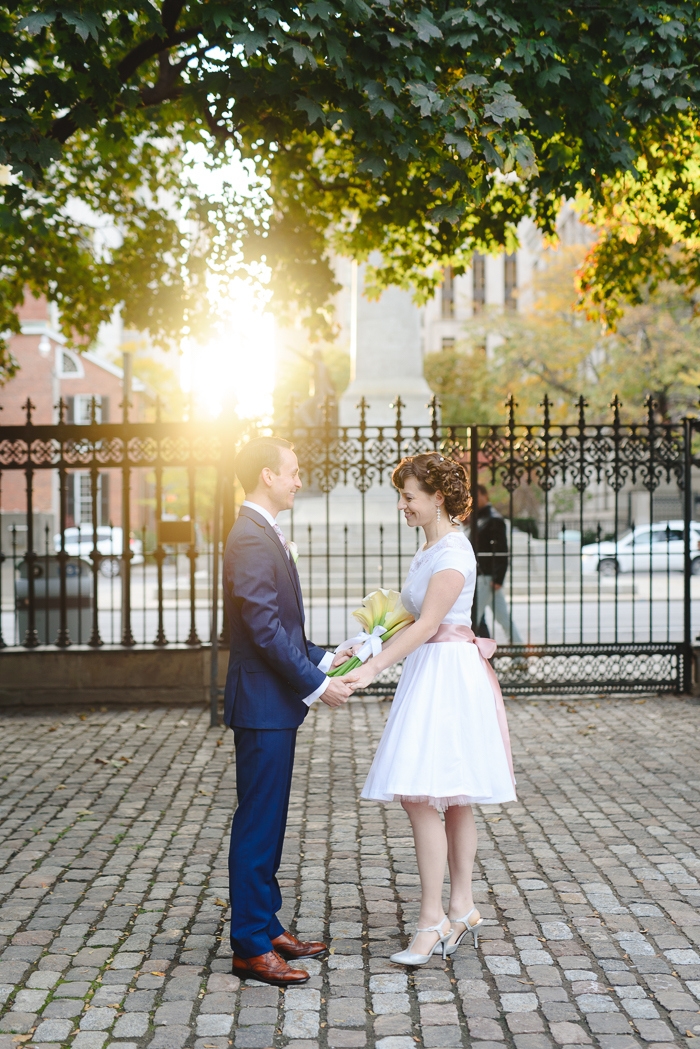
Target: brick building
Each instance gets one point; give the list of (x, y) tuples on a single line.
[(49, 371)]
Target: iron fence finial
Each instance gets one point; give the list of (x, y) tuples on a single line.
[(545, 405), (398, 405), (362, 407), (616, 404), (29, 407), (581, 404), (434, 406), (511, 404)]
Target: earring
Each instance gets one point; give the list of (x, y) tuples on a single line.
[(439, 514)]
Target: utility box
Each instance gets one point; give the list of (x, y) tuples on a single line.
[(47, 600)]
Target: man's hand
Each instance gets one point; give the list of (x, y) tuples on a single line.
[(337, 692), (342, 657), (496, 586)]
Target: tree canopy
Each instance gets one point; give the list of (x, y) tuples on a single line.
[(421, 130), (550, 348)]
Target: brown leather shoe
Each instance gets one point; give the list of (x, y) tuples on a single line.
[(268, 968), (289, 947)]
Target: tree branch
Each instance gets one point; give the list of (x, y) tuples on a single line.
[(65, 126)]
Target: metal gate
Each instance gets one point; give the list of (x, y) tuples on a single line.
[(600, 516)]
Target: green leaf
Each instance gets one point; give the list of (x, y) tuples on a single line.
[(302, 54), (382, 105), (473, 80), (319, 9), (463, 39), (269, 14), (373, 165), (34, 23), (504, 106), (461, 144), (425, 28), (252, 41), (312, 109), (86, 24)]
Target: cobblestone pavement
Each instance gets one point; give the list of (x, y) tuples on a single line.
[(113, 841)]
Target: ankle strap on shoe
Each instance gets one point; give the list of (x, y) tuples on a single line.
[(434, 928)]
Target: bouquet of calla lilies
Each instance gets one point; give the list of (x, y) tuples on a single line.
[(382, 615)]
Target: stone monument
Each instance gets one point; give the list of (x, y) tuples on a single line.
[(386, 350)]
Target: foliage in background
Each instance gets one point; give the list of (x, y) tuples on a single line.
[(383, 125), (648, 226), (551, 348), (295, 378)]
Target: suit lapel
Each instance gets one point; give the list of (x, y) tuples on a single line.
[(288, 563)]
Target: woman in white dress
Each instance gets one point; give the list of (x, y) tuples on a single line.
[(445, 746)]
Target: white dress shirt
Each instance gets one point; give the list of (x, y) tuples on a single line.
[(327, 660)]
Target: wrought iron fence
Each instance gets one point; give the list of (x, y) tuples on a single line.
[(599, 593)]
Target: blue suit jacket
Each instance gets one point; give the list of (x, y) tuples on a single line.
[(272, 667)]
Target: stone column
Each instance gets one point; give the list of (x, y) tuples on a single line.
[(386, 347)]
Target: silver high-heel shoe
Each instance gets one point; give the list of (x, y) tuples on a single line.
[(407, 957), (473, 929)]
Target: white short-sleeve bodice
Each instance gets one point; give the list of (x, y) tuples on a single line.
[(452, 551)]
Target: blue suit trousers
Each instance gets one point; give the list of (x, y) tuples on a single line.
[(264, 764)]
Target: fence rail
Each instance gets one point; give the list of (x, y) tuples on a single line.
[(113, 533)]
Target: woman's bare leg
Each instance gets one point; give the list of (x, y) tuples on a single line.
[(461, 836), (431, 852)]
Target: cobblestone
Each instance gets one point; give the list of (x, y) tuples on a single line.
[(114, 895)]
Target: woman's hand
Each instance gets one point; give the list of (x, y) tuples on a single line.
[(362, 677), (342, 657)]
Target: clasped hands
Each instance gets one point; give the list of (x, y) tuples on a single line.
[(340, 689)]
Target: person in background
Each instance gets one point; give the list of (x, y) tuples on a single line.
[(492, 559)]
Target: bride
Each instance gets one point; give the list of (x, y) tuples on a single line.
[(445, 746)]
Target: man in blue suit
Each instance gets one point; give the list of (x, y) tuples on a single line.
[(274, 675)]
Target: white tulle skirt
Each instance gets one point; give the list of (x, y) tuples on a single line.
[(442, 742)]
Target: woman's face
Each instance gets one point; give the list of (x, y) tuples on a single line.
[(418, 507)]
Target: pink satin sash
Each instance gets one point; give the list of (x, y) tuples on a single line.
[(486, 646)]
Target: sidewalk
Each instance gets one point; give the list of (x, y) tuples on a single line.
[(113, 888)]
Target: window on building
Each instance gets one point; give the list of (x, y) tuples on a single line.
[(80, 409), (79, 498), (511, 283), (478, 282), (448, 293), (68, 365), (448, 343)]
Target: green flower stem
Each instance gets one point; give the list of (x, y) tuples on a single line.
[(345, 668), (352, 664)]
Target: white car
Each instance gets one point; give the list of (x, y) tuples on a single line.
[(79, 543), (659, 547)]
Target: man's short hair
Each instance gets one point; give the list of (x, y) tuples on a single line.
[(483, 490), (255, 456)]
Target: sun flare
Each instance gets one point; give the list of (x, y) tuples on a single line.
[(235, 371)]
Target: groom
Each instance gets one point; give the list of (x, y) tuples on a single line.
[(274, 675)]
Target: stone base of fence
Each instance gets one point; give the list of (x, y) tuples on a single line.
[(85, 676)]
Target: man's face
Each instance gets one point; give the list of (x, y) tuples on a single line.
[(482, 500), (283, 486)]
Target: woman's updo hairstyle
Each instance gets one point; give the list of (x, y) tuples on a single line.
[(436, 473)]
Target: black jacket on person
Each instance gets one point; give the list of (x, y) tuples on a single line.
[(492, 543)]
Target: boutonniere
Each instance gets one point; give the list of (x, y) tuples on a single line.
[(293, 551)]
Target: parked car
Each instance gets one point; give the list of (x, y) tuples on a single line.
[(659, 546), (79, 543)]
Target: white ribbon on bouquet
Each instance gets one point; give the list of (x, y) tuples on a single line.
[(371, 643)]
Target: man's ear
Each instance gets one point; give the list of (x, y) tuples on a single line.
[(266, 476)]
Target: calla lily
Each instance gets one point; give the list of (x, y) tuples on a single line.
[(380, 608)]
